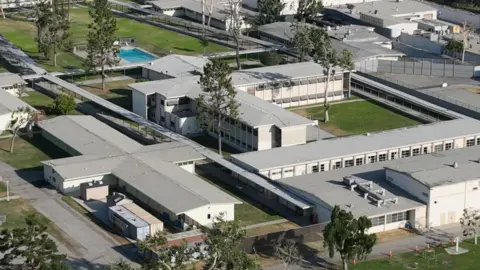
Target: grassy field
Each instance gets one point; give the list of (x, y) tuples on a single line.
[(41, 102), (16, 212), (357, 118), (28, 153), (116, 92), (411, 260), (249, 212), (154, 39)]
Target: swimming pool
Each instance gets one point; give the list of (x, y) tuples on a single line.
[(135, 55)]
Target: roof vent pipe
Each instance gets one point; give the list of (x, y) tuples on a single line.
[(365, 196), (455, 165)]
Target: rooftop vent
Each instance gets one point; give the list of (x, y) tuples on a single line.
[(455, 165)]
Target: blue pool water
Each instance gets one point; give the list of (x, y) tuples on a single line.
[(136, 55)]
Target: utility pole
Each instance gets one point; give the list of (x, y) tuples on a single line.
[(8, 191)]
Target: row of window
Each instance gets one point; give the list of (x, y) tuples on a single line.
[(392, 218), (244, 145), (291, 83), (184, 163)]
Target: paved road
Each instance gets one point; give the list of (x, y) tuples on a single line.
[(381, 250), (87, 247)]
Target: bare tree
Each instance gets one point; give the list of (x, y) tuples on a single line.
[(23, 117), (470, 223), (235, 25), (467, 30), (286, 250), (210, 10), (20, 89)]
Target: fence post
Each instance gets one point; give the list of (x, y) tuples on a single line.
[(404, 66), (444, 67), (431, 67), (391, 66)]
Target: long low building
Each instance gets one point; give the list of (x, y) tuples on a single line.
[(161, 176), (260, 125), (333, 154), (423, 191)]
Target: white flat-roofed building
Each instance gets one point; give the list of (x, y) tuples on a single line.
[(160, 176), (10, 81), (261, 125), (293, 84), (362, 191), (358, 150), (446, 183), (174, 66)]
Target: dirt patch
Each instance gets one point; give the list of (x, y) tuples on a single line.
[(271, 228), (5, 144), (473, 90), (393, 235)]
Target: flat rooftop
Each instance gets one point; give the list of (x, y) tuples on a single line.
[(9, 79), (393, 8), (252, 110), (10, 103), (348, 146), (438, 169), (282, 30), (468, 95), (268, 74), (176, 65), (170, 185), (173, 152), (329, 187), (89, 136), (133, 219), (356, 33)]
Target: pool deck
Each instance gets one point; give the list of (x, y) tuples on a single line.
[(83, 55)]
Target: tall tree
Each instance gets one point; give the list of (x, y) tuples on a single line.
[(307, 9), (348, 236), (23, 117), (221, 247), (235, 26), (217, 101), (167, 258), (120, 265), (470, 223), (53, 29), (269, 11), (286, 250), (301, 40), (101, 51), (467, 30), (30, 248), (454, 46)]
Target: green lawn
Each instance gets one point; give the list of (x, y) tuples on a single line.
[(17, 210), (247, 213), (152, 38), (28, 153), (116, 92), (357, 118), (41, 102), (468, 261)]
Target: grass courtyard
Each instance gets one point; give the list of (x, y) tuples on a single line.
[(17, 210), (152, 38), (116, 92), (411, 260), (28, 153), (357, 117)]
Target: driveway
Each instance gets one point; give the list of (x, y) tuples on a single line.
[(88, 246)]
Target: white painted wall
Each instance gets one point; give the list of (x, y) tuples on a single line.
[(73, 185), (201, 214), (5, 121), (408, 184), (139, 103), (294, 135)]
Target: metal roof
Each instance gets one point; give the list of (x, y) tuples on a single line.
[(9, 79), (173, 152), (10, 103), (438, 169), (169, 185), (176, 65), (127, 215), (89, 136), (329, 188), (252, 110), (359, 144), (393, 8)]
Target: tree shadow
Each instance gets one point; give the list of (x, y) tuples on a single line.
[(183, 49)]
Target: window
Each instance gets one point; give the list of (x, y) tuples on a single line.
[(315, 168), (349, 163), (53, 171), (162, 102), (438, 148), (288, 171), (255, 132), (172, 124), (371, 159), (209, 216), (425, 150), (274, 173), (359, 162), (448, 146), (382, 157), (393, 155), (397, 217), (405, 153), (183, 101), (425, 194), (244, 127), (478, 141), (322, 167), (237, 141), (162, 118), (337, 165), (54, 179), (376, 221), (244, 144), (416, 152), (470, 142)]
